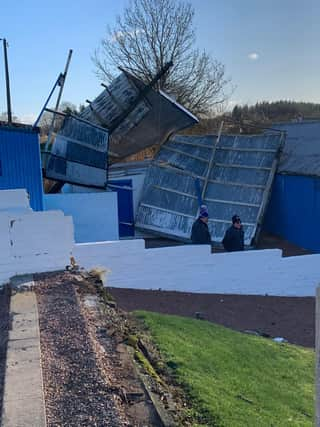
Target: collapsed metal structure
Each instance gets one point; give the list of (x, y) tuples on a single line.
[(230, 174), (234, 173), (136, 116), (125, 118), (79, 154)]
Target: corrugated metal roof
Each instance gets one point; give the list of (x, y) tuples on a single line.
[(154, 118), (20, 165), (301, 152), (236, 181)]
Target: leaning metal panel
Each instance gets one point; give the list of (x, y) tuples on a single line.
[(79, 154), (112, 102), (153, 115), (238, 182)]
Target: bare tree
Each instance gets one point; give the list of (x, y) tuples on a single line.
[(151, 33), (4, 117), (46, 119)]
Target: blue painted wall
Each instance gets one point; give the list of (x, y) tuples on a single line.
[(95, 215), (20, 164), (294, 210)]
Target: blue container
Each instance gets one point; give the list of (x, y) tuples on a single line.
[(20, 164)]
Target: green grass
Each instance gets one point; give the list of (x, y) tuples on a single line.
[(234, 379)]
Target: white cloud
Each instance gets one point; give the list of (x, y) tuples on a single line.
[(253, 56)]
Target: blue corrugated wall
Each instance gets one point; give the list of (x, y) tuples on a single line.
[(294, 210), (20, 164)]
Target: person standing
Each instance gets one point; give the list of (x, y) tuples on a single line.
[(234, 237), (200, 232)]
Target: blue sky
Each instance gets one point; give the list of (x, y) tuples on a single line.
[(270, 48)]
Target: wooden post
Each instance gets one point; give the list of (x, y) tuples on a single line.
[(317, 321)]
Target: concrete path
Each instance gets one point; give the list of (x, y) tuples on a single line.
[(23, 402)]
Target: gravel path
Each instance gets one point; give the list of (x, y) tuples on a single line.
[(4, 330), (76, 393)]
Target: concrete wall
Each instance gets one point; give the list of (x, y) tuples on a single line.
[(32, 242), (137, 188), (192, 268), (95, 215), (14, 200)]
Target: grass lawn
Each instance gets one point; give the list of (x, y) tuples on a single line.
[(234, 379)]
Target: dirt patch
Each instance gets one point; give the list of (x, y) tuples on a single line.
[(4, 332), (291, 318)]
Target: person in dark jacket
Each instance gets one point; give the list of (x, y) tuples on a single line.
[(200, 232), (234, 237)]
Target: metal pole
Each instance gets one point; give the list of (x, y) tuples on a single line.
[(63, 79), (61, 84), (6, 67), (204, 189), (47, 101)]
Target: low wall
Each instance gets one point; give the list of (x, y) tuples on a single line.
[(95, 215), (191, 268), (14, 200), (32, 242)]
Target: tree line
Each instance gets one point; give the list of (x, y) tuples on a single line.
[(266, 112)]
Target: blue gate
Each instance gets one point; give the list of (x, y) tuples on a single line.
[(125, 206)]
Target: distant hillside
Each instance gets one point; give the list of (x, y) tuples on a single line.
[(262, 114), (277, 111)]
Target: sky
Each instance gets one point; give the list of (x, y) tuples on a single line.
[(269, 48)]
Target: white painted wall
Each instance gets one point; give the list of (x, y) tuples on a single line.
[(14, 200), (95, 215), (31, 242), (192, 268), (137, 188)]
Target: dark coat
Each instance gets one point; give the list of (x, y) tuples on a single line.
[(233, 239), (200, 233)]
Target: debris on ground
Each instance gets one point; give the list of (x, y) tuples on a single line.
[(279, 340)]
